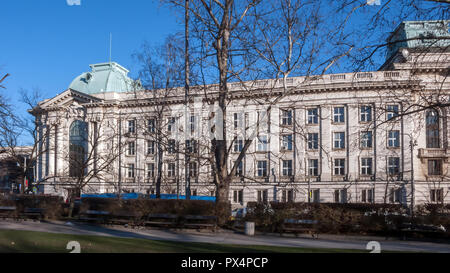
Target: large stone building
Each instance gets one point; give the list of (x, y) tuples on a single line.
[(352, 137)]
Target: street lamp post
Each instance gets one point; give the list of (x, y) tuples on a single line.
[(412, 144)]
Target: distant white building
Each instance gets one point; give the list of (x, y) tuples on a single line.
[(330, 138)]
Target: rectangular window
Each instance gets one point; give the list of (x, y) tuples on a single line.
[(191, 146), (366, 113), (395, 195), (338, 115), (340, 196), (171, 169), (313, 116), (238, 197), (286, 144), (287, 196), (367, 196), (150, 147), (262, 168), (240, 168), (132, 126), (192, 169), (130, 168), (287, 167), (393, 165), (315, 195), (171, 147), (263, 196), (434, 167), (171, 125), (150, 170), (366, 139), (313, 167), (437, 195), (339, 140), (286, 117), (339, 166), (394, 139), (262, 143), (151, 123), (192, 123), (392, 112), (238, 145), (366, 166), (237, 120), (131, 148), (313, 141)]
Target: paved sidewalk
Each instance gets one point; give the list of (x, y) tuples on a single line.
[(224, 237)]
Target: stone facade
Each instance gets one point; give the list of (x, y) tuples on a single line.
[(353, 137)]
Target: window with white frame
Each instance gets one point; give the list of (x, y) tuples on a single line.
[(171, 146), (313, 167), (287, 167), (286, 144), (340, 196), (392, 111), (339, 166), (366, 166), (131, 148), (367, 195), (434, 167), (287, 196), (171, 170), (238, 145), (339, 140), (191, 146), (262, 168), (240, 168), (192, 169), (262, 143), (192, 123), (171, 124), (237, 120), (151, 147), (238, 196), (437, 195), (338, 114), (393, 165), (432, 129), (395, 195), (365, 113), (263, 196), (151, 125), (150, 170), (313, 116), (132, 126), (313, 141), (130, 170), (286, 117), (366, 139), (394, 139)]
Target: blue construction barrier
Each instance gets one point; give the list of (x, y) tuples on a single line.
[(128, 196)]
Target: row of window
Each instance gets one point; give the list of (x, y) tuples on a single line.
[(191, 147), (171, 170), (393, 141), (396, 195), (339, 168)]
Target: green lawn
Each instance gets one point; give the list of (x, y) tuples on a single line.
[(39, 242)]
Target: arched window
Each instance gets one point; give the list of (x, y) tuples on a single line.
[(432, 127), (78, 145)]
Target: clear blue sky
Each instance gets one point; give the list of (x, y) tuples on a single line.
[(47, 43)]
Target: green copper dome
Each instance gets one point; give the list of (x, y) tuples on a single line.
[(105, 77)]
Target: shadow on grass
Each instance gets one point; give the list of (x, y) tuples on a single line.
[(40, 242)]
